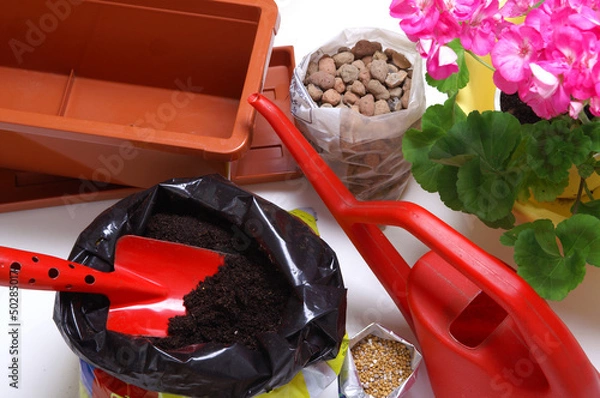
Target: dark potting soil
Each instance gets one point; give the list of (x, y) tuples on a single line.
[(511, 103), (245, 298)]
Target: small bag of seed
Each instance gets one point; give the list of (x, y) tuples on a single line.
[(353, 98), (379, 364)]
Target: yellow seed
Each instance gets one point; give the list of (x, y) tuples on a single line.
[(377, 360)]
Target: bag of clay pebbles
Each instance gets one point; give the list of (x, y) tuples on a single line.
[(250, 328), (353, 98)]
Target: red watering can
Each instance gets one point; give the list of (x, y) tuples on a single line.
[(483, 331)]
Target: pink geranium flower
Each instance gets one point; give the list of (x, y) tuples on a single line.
[(446, 29), (544, 94), (418, 17), (550, 57), (577, 53), (479, 34), (542, 22), (515, 51), (587, 19), (461, 10), (441, 60), (515, 8), (595, 105)]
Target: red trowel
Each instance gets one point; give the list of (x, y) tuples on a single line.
[(145, 289)]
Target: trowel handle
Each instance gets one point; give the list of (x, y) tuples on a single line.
[(28, 270)]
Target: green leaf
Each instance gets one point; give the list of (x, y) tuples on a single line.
[(506, 222), (581, 234), (544, 190), (481, 148), (592, 130), (586, 169), (457, 160), (542, 265), (484, 193), (416, 144), (446, 184), (554, 270), (509, 238), (553, 148), (452, 84), (592, 208), (491, 136), (415, 148)]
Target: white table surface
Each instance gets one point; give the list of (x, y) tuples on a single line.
[(49, 369)]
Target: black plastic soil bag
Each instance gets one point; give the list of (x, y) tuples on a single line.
[(313, 324)]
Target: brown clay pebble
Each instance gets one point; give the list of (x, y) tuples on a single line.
[(331, 97), (339, 85), (359, 64), (364, 76), (327, 64), (396, 92), (367, 105), (358, 88), (315, 92), (379, 56), (398, 59), (382, 365), (404, 99), (350, 98), (395, 79), (322, 79), (378, 90), (349, 73), (344, 57), (312, 68), (363, 48), (379, 70), (381, 107)]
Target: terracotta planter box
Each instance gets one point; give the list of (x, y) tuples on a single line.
[(131, 92)]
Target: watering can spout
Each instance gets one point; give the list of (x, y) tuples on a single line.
[(483, 331), (316, 171)]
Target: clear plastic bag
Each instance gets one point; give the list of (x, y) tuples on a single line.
[(364, 151)]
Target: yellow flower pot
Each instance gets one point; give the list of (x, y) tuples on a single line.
[(479, 95)]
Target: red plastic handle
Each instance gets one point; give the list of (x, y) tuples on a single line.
[(567, 369), (30, 270)]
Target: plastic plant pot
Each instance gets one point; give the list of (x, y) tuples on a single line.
[(266, 160), (131, 92)]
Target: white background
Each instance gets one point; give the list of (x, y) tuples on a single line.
[(49, 369)]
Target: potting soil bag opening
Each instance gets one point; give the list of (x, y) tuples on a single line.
[(312, 324)]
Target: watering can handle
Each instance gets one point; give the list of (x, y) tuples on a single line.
[(532, 315)]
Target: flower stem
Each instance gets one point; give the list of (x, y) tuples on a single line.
[(584, 117), (481, 61), (579, 194)]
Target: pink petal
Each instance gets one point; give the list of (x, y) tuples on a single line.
[(575, 109), (545, 83)]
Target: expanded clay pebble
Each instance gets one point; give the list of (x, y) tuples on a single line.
[(382, 365), (366, 69)]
